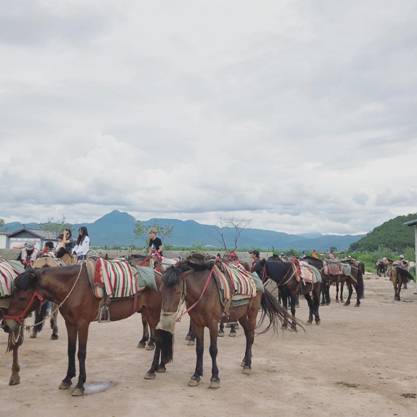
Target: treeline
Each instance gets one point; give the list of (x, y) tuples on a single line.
[(392, 235)]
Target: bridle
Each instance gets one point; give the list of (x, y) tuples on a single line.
[(19, 318)]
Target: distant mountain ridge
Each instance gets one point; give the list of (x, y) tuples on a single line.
[(117, 229)]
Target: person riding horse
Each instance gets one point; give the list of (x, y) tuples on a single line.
[(65, 243), (83, 244), (255, 259), (48, 250)]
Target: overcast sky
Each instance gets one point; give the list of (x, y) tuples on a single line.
[(300, 116)]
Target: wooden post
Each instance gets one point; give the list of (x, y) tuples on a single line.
[(415, 249)]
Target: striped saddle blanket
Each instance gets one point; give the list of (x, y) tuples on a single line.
[(234, 282), (8, 273), (118, 278), (309, 274)]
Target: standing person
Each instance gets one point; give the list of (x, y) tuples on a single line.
[(82, 245), (255, 259), (155, 246), (28, 255)]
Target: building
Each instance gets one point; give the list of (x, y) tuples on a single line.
[(17, 239), (413, 223)]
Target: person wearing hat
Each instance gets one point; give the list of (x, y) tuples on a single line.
[(155, 246), (28, 255)]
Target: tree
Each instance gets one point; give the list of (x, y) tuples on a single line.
[(140, 229), (233, 227), (55, 226), (163, 231)]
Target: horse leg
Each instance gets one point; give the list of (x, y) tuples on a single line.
[(248, 323), (82, 354), (342, 284), (284, 299), (310, 307), (221, 328), (233, 330), (337, 291), (316, 302), (150, 374), (145, 336), (293, 302), (199, 349), (15, 377), (72, 341), (350, 294), (215, 380), (399, 284), (54, 323), (358, 298)]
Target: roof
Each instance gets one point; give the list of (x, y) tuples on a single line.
[(411, 223), (42, 234)]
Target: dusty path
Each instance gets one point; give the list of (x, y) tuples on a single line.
[(359, 362)]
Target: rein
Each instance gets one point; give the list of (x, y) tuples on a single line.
[(183, 294), (19, 318)]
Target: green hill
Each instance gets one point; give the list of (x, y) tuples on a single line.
[(393, 235)]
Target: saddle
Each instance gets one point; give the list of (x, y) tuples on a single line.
[(309, 274), (8, 273), (332, 267)]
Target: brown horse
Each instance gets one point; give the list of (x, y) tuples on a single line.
[(399, 277), (69, 287), (193, 283), (355, 280)]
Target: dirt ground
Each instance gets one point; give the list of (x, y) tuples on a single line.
[(359, 362)]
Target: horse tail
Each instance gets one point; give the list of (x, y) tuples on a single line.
[(166, 341), (360, 286), (276, 313)]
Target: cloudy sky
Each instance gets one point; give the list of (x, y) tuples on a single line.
[(300, 116)]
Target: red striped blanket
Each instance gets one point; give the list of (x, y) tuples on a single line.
[(118, 278), (234, 280), (7, 276)]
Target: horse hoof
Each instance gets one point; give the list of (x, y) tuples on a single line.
[(161, 370), (232, 334), (220, 334), (346, 304), (242, 364), (141, 345), (318, 322), (246, 370), (33, 335), (193, 382), (77, 392), (357, 305), (149, 375), (150, 347), (188, 337), (14, 380), (64, 385), (54, 336), (191, 343), (214, 384)]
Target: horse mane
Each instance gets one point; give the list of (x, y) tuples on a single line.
[(194, 262), (26, 280)]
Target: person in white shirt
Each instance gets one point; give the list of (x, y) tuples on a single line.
[(83, 244)]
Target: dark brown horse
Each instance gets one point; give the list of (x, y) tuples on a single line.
[(194, 283), (69, 287), (284, 274), (355, 280)]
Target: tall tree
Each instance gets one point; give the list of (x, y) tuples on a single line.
[(55, 226)]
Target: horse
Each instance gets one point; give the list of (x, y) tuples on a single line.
[(192, 281), (399, 277), (355, 280), (382, 267), (40, 313), (361, 266), (69, 287), (15, 339), (284, 274)]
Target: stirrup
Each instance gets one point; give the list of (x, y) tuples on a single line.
[(103, 314)]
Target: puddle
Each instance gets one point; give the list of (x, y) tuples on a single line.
[(96, 387)]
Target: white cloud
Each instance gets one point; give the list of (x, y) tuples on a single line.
[(297, 116)]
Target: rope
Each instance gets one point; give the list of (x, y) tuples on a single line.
[(62, 302)]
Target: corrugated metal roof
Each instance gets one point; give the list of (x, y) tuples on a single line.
[(411, 222)]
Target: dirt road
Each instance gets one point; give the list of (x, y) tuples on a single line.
[(359, 362)]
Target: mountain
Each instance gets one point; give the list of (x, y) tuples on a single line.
[(392, 234), (117, 229)]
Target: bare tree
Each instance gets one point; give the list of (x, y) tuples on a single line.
[(237, 225)]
